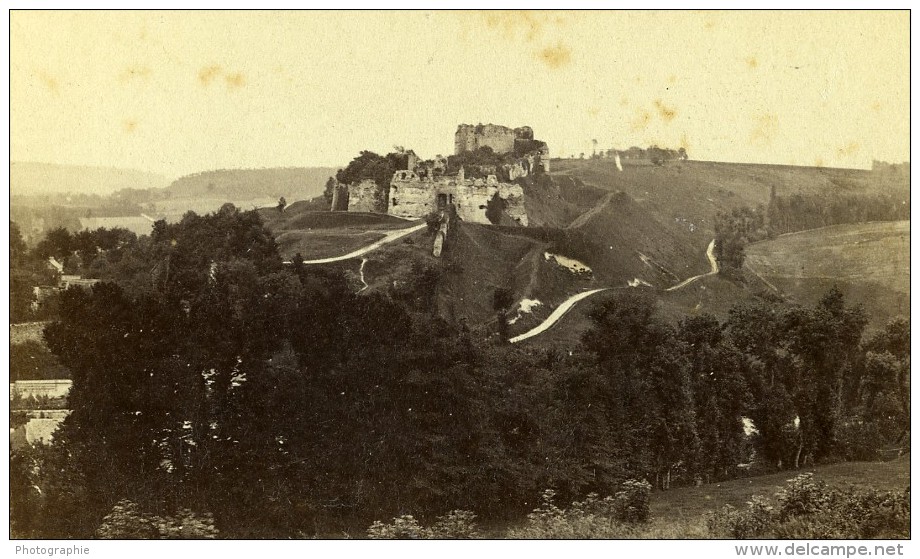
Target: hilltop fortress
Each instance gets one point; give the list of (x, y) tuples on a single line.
[(478, 180)]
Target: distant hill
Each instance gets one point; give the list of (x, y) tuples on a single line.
[(294, 183), (30, 179)]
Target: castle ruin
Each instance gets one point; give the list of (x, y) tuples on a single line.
[(424, 187), (414, 197), (501, 140)]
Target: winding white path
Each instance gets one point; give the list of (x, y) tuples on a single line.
[(710, 254), (566, 305), (361, 272), (556, 315), (388, 238)]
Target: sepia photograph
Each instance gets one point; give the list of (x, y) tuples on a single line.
[(460, 275)]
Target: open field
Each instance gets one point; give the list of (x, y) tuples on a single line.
[(322, 234), (869, 263), (323, 243)]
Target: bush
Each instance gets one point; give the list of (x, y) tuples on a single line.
[(803, 495), (404, 527), (610, 517), (126, 521), (632, 501), (808, 509), (593, 518), (752, 523), (455, 525)]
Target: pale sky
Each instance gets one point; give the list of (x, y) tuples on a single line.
[(177, 93)]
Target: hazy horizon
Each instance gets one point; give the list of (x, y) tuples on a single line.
[(175, 93)]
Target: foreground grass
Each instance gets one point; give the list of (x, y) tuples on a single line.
[(678, 505), (688, 513)]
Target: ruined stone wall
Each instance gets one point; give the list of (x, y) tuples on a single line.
[(366, 196), (412, 197), (472, 200)]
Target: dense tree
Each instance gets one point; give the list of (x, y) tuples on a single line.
[(798, 211), (721, 396), (27, 270), (734, 230), (369, 165), (650, 399)]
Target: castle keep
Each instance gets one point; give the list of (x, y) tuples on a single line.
[(489, 195)]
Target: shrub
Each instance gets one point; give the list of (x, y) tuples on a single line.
[(595, 517), (803, 495), (126, 521), (592, 518), (632, 501), (808, 509), (752, 523), (457, 524), (404, 527)]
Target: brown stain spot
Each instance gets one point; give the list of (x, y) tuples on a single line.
[(684, 142), (877, 106), (594, 111), (709, 23), (556, 56), (129, 125), (641, 121), (235, 80), (751, 62), (529, 24), (134, 73), (850, 149), (624, 101), (50, 82), (666, 113), (819, 162), (765, 126), (208, 74), (672, 79)]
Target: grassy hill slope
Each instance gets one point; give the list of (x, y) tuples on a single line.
[(692, 192), (869, 262)]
